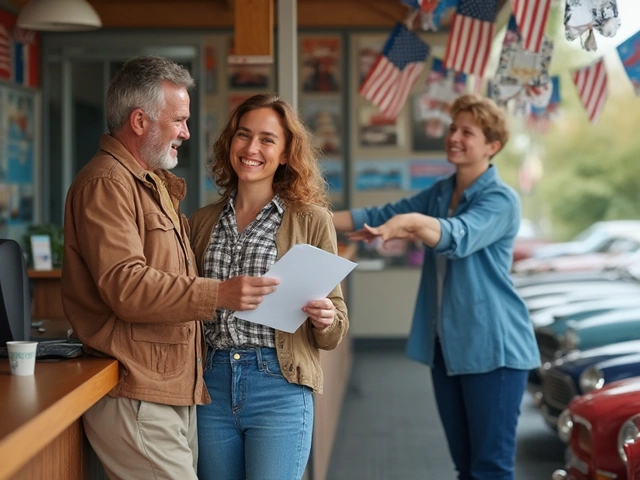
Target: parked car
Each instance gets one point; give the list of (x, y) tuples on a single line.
[(611, 291), (596, 427), (521, 280), (632, 452), (619, 253), (612, 327), (534, 292), (596, 238), (577, 307), (527, 240), (583, 372)]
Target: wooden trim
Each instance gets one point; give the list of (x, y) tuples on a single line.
[(39, 408), (47, 274), (253, 28)]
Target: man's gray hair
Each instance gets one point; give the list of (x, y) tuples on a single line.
[(139, 85)]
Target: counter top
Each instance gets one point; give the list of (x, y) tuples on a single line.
[(34, 410)]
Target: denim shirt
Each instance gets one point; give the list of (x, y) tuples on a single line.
[(484, 323)]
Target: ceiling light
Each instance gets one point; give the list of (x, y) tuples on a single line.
[(58, 16)]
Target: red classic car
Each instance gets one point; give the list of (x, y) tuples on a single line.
[(597, 426), (632, 450)]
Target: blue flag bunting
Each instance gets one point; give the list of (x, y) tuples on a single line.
[(629, 52)]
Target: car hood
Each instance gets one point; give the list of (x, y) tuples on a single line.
[(557, 249)]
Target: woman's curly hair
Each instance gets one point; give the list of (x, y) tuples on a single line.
[(299, 181)]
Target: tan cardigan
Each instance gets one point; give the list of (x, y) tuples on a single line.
[(298, 352)]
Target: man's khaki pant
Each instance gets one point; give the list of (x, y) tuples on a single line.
[(137, 440)]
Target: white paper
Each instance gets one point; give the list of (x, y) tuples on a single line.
[(306, 273), (41, 252)]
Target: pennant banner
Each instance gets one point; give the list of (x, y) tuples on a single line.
[(581, 17), (540, 118), (629, 52), (591, 82), (531, 17), (469, 43), (442, 88), (522, 75), (396, 70)]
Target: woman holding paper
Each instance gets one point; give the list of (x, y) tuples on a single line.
[(469, 325), (260, 419)]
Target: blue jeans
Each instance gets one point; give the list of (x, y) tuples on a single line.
[(479, 413), (258, 426)]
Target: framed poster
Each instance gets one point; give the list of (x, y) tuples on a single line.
[(323, 117), (321, 64), (18, 153), (375, 129)]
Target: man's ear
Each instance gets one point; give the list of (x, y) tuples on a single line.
[(138, 121)]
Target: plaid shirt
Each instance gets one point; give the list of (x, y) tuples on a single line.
[(229, 255)]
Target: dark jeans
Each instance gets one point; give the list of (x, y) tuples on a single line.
[(479, 413)]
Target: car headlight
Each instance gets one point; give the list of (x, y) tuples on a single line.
[(565, 425), (591, 379), (629, 431), (571, 340)]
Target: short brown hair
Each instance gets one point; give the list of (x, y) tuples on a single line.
[(297, 182), (489, 117)]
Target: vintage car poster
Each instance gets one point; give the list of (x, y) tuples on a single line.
[(320, 64), (376, 129), (323, 117), (381, 175)]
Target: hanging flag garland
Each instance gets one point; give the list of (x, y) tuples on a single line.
[(395, 71), (469, 43), (522, 74), (581, 17), (591, 82), (540, 117), (531, 18), (442, 88), (629, 52)]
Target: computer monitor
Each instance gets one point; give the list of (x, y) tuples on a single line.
[(15, 301)]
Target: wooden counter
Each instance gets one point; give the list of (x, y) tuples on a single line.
[(40, 428)]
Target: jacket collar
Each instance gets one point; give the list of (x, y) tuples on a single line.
[(176, 186), (488, 177)]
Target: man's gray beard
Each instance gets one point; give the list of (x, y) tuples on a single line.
[(154, 155)]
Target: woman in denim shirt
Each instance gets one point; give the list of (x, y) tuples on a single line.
[(469, 324)]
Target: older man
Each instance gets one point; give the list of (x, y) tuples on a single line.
[(130, 285)]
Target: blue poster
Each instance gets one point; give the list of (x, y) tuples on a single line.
[(17, 161), (629, 52)]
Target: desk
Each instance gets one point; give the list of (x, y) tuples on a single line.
[(40, 427)]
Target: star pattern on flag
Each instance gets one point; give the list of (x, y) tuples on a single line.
[(395, 71)]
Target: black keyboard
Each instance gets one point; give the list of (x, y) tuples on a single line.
[(52, 351)]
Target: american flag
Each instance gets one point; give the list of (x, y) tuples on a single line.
[(531, 17), (540, 118), (469, 42), (591, 82), (5, 53), (395, 71)]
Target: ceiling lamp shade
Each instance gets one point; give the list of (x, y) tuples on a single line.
[(58, 16)]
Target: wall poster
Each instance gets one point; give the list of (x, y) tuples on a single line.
[(18, 147)]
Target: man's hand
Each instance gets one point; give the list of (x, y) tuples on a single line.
[(321, 312), (244, 293)]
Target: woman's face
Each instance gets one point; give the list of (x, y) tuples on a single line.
[(257, 147), (465, 142)]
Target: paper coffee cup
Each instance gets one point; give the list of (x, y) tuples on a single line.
[(22, 357)]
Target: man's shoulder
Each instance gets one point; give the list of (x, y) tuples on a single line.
[(102, 166)]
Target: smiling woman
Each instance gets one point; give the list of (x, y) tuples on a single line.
[(260, 420)]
